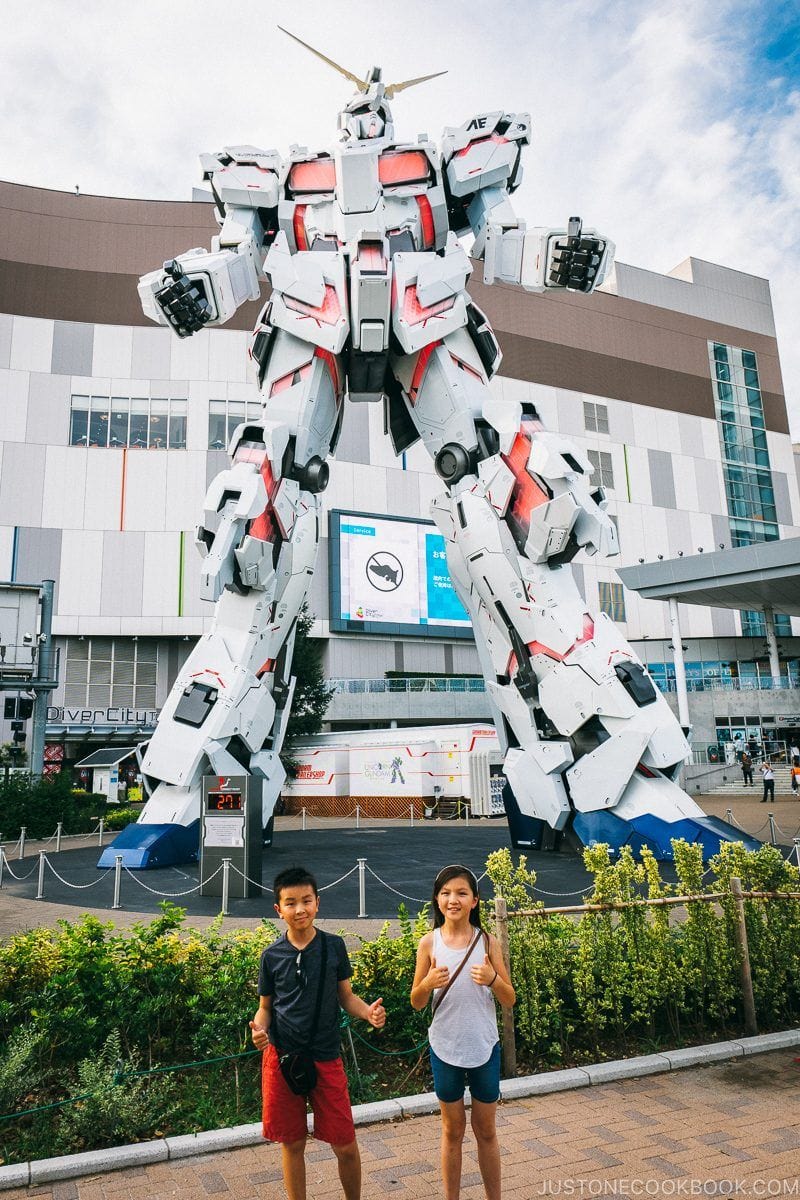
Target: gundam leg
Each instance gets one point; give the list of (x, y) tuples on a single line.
[(591, 747), (228, 709)]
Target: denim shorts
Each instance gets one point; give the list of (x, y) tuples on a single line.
[(484, 1081)]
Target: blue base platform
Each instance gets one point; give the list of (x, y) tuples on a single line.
[(656, 834), (145, 846)]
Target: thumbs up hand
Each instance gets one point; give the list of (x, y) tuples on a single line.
[(437, 977), (259, 1035), (484, 973), (376, 1013)]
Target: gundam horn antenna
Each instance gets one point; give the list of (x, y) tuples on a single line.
[(394, 88), (361, 84)]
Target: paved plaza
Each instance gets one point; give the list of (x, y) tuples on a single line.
[(729, 1129)]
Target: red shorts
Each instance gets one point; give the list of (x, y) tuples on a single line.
[(284, 1113)]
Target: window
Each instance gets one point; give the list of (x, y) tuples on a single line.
[(595, 417), (110, 672), (134, 421), (225, 415), (612, 600), (603, 472), (753, 624), (743, 442)]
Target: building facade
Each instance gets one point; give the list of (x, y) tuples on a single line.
[(111, 429)]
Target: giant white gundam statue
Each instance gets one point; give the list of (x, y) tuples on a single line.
[(360, 245)]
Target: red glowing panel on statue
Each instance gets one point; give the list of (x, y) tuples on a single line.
[(526, 493), (319, 175), (404, 166)]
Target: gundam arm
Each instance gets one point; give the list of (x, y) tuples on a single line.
[(482, 168), (202, 287)]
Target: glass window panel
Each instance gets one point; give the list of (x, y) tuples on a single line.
[(217, 425), (159, 418), (146, 652), (120, 418), (98, 421), (125, 650), (98, 695), (145, 673), (124, 673), (101, 648), (101, 671), (177, 424), (77, 650), (79, 421), (140, 408), (122, 696), (145, 697), (75, 695), (77, 672)]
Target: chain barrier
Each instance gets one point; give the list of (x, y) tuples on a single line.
[(77, 886), (346, 1023), (13, 874), (169, 895), (388, 886), (340, 879), (120, 1077), (576, 892)]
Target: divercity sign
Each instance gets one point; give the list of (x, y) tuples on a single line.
[(102, 716)]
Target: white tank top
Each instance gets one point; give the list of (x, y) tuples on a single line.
[(464, 1028)]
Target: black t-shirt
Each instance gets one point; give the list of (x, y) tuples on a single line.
[(291, 977)]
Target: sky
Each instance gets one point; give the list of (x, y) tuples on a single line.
[(671, 125)]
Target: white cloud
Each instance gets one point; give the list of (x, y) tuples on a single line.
[(649, 117)]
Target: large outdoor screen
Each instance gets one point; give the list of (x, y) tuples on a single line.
[(389, 575)]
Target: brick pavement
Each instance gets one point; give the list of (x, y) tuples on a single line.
[(736, 1124)]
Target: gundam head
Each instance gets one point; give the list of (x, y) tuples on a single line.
[(367, 115)]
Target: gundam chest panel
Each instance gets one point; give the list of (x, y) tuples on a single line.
[(354, 257)]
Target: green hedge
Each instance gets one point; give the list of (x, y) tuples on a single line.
[(40, 802), (83, 1007)]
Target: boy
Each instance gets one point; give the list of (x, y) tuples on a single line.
[(288, 983)]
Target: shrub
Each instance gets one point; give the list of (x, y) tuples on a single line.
[(118, 818), (40, 802)]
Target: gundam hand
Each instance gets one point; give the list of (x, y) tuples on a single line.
[(183, 301), (576, 259)]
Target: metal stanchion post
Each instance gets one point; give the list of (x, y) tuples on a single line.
[(2, 861), (100, 833), (466, 814), (796, 852), (729, 815), (40, 888), (362, 887), (117, 880), (772, 837), (59, 831), (358, 816), (22, 833), (411, 811), (303, 814), (226, 880)]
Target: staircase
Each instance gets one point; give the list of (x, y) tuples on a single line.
[(783, 784)]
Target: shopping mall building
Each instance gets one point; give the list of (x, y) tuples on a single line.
[(111, 428)]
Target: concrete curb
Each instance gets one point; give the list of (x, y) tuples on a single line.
[(93, 1162)]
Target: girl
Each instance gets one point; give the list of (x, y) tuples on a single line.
[(462, 968)]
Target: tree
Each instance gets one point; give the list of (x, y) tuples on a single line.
[(312, 695)]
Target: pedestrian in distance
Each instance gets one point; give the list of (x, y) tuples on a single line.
[(303, 981), (460, 969), (768, 776), (747, 768), (795, 776)]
